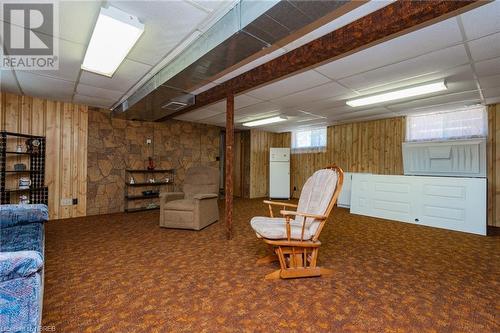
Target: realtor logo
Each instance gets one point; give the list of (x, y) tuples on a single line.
[(28, 31)]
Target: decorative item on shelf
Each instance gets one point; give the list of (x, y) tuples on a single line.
[(24, 200), (19, 149), (151, 164), (24, 183), (167, 179), (151, 180), (132, 180), (152, 206), (19, 167), (33, 146), (150, 192)]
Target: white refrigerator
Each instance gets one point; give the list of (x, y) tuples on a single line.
[(279, 173)]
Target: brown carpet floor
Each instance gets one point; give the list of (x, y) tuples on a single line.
[(122, 273)]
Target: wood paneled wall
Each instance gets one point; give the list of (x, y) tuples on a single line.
[(65, 126), (260, 142), (493, 156), (371, 146)]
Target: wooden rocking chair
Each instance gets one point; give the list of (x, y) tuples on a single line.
[(294, 237)]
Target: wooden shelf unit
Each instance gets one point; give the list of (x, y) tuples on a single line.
[(37, 192), (159, 175)]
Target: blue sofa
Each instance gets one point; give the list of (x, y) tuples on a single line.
[(21, 267)]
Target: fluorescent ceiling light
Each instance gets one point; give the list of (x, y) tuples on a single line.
[(115, 33), (265, 121), (399, 94)]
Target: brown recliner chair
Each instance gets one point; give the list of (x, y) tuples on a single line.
[(195, 207)]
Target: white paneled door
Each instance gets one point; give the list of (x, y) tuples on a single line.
[(443, 202)]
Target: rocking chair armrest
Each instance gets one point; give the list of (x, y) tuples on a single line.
[(314, 216), (277, 203)]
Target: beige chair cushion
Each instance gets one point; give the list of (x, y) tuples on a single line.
[(275, 228), (201, 180), (183, 204), (316, 195)]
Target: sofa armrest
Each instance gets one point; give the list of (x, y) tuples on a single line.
[(19, 264), (170, 196), (11, 215), (201, 196)]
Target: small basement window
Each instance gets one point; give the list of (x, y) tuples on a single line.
[(462, 124), (311, 140)]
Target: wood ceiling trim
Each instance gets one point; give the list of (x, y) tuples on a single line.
[(396, 19)]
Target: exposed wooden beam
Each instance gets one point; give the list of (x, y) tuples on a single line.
[(228, 190), (394, 20)]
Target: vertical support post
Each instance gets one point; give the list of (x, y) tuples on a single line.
[(229, 164)]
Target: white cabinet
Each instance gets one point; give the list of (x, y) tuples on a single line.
[(443, 202)]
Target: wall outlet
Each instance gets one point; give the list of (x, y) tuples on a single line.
[(148, 141), (67, 202)]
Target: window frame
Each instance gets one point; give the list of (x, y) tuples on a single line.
[(410, 126), (311, 148)]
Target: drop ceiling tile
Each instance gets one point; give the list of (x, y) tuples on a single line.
[(492, 81), (491, 93), (240, 101), (323, 104), (452, 106), (409, 69), (258, 109), (365, 118), (339, 109), (127, 75), (467, 97), (289, 85), (70, 59), (45, 86), (8, 82), (457, 78), (434, 37), (166, 24), (485, 48), (83, 89), (488, 67), (93, 101), (324, 91), (482, 21), (214, 5), (77, 20), (356, 115), (244, 100), (492, 100), (217, 119)]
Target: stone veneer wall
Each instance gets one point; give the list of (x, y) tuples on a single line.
[(115, 145)]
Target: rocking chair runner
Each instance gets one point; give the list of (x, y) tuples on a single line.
[(294, 237)]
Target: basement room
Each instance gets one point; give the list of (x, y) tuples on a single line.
[(249, 166)]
